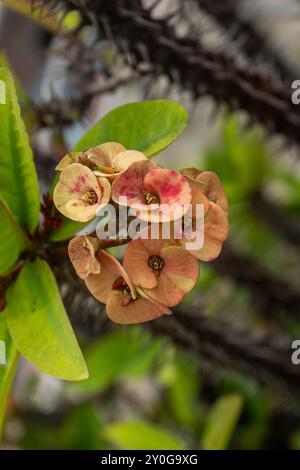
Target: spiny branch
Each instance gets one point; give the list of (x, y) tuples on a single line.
[(211, 339), (277, 220), (274, 296), (253, 44), (225, 346), (187, 62), (63, 112)]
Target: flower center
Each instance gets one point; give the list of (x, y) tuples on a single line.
[(156, 263), (120, 285), (110, 170), (151, 198), (84, 160), (90, 197)]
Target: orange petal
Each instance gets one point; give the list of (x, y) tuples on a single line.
[(82, 251), (191, 173), (136, 262), (177, 277), (139, 311), (215, 232), (100, 285), (213, 188), (197, 194)]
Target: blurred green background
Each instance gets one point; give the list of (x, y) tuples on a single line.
[(229, 385)]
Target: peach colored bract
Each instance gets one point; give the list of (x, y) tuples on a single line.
[(215, 224), (114, 288), (112, 159), (162, 262), (82, 252), (165, 273)]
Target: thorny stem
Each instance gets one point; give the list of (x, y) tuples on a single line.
[(218, 342), (214, 342), (189, 63), (241, 30), (62, 111)]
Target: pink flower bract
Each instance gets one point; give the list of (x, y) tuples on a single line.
[(153, 191)]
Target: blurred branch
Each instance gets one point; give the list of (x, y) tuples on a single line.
[(211, 339), (185, 61), (225, 346), (273, 295), (253, 43), (41, 13), (277, 220), (63, 112)]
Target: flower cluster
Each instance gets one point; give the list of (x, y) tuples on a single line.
[(157, 273)]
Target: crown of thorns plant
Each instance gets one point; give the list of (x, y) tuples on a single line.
[(156, 273)]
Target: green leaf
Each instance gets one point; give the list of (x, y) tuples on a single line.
[(28, 110), (59, 21), (80, 430), (39, 325), (117, 355), (139, 435), (221, 422), (181, 378), (9, 352), (148, 126), (18, 180), (67, 230), (11, 239)]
